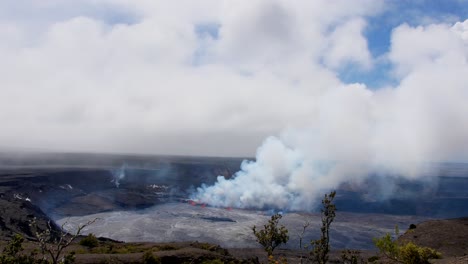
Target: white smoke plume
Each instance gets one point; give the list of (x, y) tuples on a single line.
[(118, 174), (356, 131)]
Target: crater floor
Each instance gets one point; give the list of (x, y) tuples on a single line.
[(177, 222)]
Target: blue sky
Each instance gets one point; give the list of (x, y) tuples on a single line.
[(379, 30)]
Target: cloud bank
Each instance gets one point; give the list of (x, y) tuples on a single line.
[(189, 77), (217, 77)]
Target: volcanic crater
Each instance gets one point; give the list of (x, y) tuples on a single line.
[(147, 198)]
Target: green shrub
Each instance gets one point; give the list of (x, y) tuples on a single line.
[(11, 252), (406, 253), (90, 241), (14, 246), (69, 258), (411, 253), (351, 257), (105, 249), (387, 246), (149, 258), (120, 250), (124, 249), (271, 236)]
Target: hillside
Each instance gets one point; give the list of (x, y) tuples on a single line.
[(449, 237)]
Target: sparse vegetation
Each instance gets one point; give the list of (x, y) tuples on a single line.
[(53, 245), (301, 238), (167, 247), (321, 247), (351, 257), (279, 260), (272, 235), (11, 253), (406, 253), (90, 241), (123, 248), (149, 258)]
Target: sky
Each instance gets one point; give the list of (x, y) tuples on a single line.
[(218, 77)]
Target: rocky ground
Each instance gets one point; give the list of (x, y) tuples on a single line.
[(16, 214)]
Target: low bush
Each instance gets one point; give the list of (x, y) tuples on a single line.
[(167, 247), (12, 252), (406, 253), (90, 241), (149, 258), (411, 253)]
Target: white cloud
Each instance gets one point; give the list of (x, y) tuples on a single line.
[(461, 28), (80, 83), (415, 46), (347, 45), (134, 76), (77, 79)]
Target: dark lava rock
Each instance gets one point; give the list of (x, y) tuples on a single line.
[(16, 214), (218, 219)]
